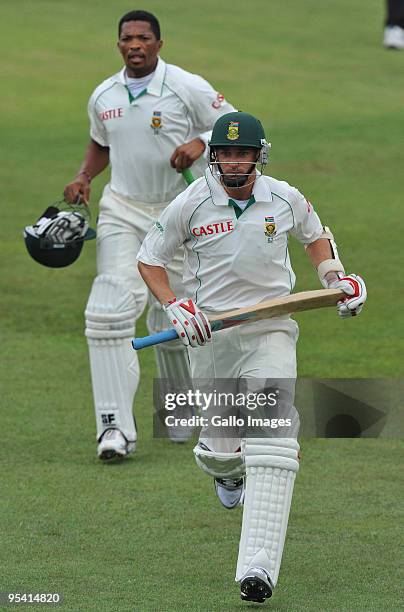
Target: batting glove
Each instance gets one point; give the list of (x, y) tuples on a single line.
[(191, 325), (355, 288)]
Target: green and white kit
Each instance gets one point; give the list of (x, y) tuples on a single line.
[(237, 257), (233, 258), (142, 133)]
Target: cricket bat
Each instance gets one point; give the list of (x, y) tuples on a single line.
[(296, 302)]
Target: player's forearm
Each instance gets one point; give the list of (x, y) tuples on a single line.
[(325, 259), (319, 251), (95, 161), (156, 279)]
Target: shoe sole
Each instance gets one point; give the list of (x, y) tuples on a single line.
[(255, 589), (110, 455)]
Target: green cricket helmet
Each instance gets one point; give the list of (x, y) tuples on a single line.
[(56, 239), (237, 129)]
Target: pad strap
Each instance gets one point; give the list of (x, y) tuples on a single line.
[(111, 310)]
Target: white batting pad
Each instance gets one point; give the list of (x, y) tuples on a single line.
[(111, 308), (219, 465), (173, 364), (110, 322), (271, 467)]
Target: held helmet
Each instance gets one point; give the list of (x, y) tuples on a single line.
[(56, 239)]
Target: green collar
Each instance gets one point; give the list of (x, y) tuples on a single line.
[(237, 208), (131, 98)]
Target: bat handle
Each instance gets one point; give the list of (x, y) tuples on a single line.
[(188, 176), (163, 336)]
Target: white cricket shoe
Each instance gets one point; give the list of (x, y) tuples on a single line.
[(114, 445), (256, 585), (230, 491), (393, 37)]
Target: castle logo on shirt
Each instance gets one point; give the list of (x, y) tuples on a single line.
[(156, 121), (232, 132), (112, 113), (220, 227), (270, 228)]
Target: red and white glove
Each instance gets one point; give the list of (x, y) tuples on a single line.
[(355, 288), (191, 325)]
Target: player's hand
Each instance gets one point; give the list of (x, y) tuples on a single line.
[(355, 288), (185, 155), (191, 325), (78, 191)]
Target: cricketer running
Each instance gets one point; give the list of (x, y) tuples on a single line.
[(234, 225)]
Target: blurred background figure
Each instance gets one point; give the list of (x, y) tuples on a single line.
[(394, 29)]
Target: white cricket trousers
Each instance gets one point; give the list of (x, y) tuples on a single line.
[(261, 350), (121, 228)]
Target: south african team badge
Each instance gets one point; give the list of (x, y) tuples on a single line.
[(270, 228), (232, 132), (156, 121)]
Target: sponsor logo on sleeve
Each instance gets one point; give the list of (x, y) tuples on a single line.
[(219, 101)]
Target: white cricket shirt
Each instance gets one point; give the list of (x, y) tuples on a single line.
[(142, 132), (233, 258)]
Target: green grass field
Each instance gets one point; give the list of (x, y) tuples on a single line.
[(149, 534)]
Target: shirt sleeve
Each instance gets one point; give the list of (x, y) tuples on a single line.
[(166, 236), (307, 226), (206, 106), (97, 129)]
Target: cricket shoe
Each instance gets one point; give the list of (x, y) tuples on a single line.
[(230, 491), (394, 37), (114, 445), (255, 585)]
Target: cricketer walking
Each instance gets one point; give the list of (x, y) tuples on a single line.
[(147, 121)]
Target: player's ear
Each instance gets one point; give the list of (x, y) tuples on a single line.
[(160, 44)]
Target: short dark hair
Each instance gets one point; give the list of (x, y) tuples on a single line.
[(141, 16)]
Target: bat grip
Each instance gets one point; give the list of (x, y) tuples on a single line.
[(163, 336), (188, 176)]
